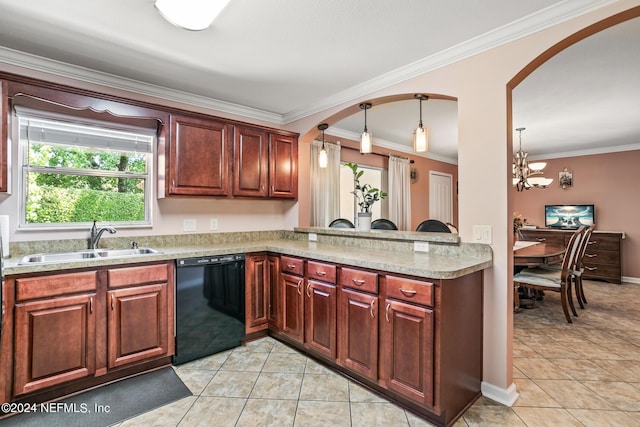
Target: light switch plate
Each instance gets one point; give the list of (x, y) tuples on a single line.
[(189, 225), (482, 234), (213, 224)]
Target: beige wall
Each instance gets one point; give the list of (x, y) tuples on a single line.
[(610, 182)]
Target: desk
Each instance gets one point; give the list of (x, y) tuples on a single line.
[(534, 254)]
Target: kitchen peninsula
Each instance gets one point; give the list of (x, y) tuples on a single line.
[(406, 324)]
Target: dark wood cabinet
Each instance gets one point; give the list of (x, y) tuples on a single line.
[(251, 162), (283, 166), (4, 132), (358, 332), (320, 314), (603, 257), (262, 292), (55, 341), (78, 327), (200, 154), (292, 306), (406, 339), (138, 313)]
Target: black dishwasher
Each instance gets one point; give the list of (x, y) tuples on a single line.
[(209, 305)]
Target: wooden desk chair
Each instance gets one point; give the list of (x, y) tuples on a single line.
[(579, 266), (555, 280)]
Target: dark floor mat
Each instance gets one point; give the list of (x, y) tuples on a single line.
[(123, 399)]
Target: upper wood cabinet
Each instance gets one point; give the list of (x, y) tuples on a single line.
[(250, 162), (283, 166), (199, 154), (4, 141)]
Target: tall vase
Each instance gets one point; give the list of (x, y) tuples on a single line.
[(364, 221)]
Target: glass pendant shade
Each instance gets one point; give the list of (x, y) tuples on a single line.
[(365, 143), (195, 15), (421, 140), (323, 159)]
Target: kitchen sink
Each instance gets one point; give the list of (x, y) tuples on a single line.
[(84, 255)]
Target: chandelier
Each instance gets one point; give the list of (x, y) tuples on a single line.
[(527, 175)]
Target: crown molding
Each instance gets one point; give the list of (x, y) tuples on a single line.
[(587, 152), (518, 29), (341, 133), (49, 66)]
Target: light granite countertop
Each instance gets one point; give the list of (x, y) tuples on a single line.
[(448, 265)]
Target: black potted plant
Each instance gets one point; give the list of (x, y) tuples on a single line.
[(366, 195)]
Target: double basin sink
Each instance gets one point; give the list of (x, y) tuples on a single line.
[(85, 255)]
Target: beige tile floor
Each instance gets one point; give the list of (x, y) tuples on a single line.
[(585, 373)]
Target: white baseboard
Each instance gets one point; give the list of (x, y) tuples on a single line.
[(504, 396), (634, 280)]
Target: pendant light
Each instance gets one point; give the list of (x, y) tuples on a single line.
[(365, 139), (323, 160), (421, 137)]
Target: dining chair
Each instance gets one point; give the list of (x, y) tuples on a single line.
[(452, 227), (543, 279), (383, 224), (341, 223), (579, 266), (434, 226)]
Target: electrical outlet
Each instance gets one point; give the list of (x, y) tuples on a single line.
[(313, 237), (213, 223), (482, 234), (421, 246), (189, 225)]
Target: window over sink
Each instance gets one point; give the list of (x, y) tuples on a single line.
[(75, 170)]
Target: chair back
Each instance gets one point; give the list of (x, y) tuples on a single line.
[(341, 223), (434, 226), (383, 224), (568, 261), (577, 265)]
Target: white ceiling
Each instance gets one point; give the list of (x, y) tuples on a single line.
[(280, 60)]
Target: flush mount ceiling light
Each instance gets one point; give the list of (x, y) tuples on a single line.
[(322, 158), (421, 137), (365, 139), (192, 15), (525, 174)]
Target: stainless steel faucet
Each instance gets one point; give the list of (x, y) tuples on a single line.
[(96, 233)]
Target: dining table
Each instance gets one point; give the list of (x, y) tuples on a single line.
[(531, 254)]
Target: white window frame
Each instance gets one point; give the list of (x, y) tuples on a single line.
[(25, 168)]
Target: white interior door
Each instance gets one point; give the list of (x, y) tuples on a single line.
[(440, 196)]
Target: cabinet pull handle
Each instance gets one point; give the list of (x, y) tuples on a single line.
[(308, 289), (90, 305), (112, 301), (592, 242), (591, 255), (299, 283), (321, 273), (408, 292), (541, 239), (591, 268), (386, 312), (358, 282), (373, 303), (291, 266)]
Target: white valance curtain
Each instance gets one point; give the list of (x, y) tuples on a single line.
[(325, 185), (400, 192)]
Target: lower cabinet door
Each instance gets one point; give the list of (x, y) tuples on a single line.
[(320, 318), (358, 336), (406, 349), (137, 324), (55, 342), (293, 306)]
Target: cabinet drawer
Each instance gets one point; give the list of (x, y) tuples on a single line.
[(59, 284), (551, 238), (292, 265), (121, 277), (601, 270), (359, 279), (412, 291), (598, 242), (321, 271), (599, 257)]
